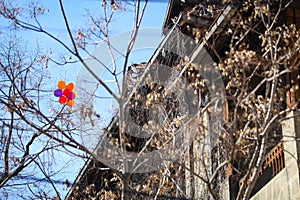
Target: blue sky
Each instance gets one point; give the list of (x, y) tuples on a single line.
[(76, 11)]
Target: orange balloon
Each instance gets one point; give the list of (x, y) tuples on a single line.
[(70, 103), (61, 84), (70, 86)]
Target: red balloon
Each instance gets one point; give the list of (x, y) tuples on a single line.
[(62, 99), (66, 92)]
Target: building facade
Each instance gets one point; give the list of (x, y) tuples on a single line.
[(255, 153)]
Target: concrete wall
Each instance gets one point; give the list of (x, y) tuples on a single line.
[(285, 185)]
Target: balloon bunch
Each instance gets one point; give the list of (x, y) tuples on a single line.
[(65, 92)]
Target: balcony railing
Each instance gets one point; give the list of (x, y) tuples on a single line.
[(273, 163)]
